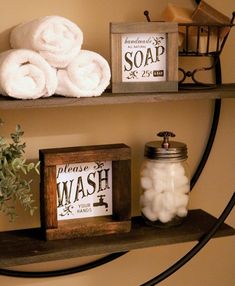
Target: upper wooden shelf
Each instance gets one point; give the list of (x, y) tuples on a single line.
[(25, 246), (108, 98)]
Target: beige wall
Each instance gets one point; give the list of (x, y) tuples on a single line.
[(133, 125)]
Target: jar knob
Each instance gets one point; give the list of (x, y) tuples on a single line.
[(166, 135)]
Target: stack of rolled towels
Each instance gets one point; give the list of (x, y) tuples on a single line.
[(46, 58)]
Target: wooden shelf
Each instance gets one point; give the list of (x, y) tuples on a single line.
[(25, 246), (108, 98)]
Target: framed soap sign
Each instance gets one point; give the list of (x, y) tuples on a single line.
[(144, 57), (85, 191)]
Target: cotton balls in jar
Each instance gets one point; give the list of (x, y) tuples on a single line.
[(166, 187)]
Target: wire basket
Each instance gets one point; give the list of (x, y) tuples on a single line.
[(200, 40)]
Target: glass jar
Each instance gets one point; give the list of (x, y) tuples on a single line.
[(165, 182)]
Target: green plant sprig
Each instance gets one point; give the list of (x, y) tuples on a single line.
[(14, 169)]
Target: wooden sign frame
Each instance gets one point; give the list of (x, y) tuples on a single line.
[(170, 82), (119, 221)]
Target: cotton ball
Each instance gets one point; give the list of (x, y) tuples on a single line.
[(149, 164), (146, 183), (145, 172), (183, 189), (173, 169), (181, 200), (169, 184), (149, 170), (168, 167), (177, 169), (165, 216), (182, 212), (164, 183), (158, 172), (157, 204), (174, 172), (168, 201), (149, 214), (163, 179), (181, 181), (159, 185), (147, 197)]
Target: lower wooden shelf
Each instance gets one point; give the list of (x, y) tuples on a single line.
[(25, 246)]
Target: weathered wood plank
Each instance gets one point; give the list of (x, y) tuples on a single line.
[(140, 27), (108, 98), (120, 221), (25, 246), (70, 155)]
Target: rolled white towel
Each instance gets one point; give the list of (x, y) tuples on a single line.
[(87, 75), (56, 38), (24, 74)]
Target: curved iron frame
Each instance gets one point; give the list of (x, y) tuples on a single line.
[(202, 242)]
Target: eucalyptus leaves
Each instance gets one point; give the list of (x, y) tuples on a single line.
[(14, 185)]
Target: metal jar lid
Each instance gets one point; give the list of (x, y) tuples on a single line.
[(165, 149)]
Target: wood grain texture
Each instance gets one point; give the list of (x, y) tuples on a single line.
[(116, 57), (144, 27), (91, 227), (171, 82), (109, 98), (172, 58), (135, 87), (122, 190), (120, 221), (80, 154), (26, 246), (48, 200)]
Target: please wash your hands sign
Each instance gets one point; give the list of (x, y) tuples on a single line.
[(144, 57), (84, 190)]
